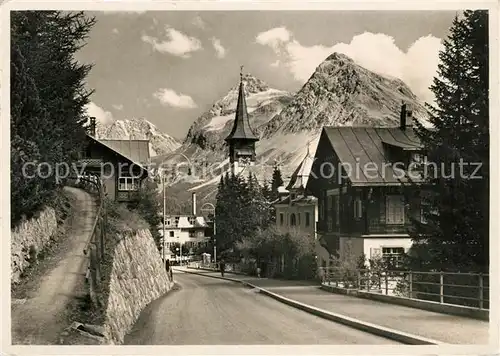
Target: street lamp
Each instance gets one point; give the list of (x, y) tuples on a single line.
[(211, 209), (165, 197)]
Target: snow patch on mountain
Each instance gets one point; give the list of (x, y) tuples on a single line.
[(139, 129)]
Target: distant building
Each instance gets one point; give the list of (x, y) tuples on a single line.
[(184, 230), (297, 208), (120, 164), (368, 207), (241, 140)]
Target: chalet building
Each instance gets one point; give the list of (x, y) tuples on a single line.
[(120, 164), (241, 140), (186, 230), (366, 194), (297, 209)]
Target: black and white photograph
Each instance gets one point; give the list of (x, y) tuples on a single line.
[(224, 176)]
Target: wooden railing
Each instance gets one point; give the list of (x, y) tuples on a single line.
[(94, 248), (463, 289)]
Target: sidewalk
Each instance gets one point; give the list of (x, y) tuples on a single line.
[(442, 327)]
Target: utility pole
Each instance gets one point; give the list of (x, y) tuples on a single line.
[(215, 239), (163, 220)]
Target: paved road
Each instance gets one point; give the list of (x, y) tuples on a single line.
[(38, 320), (211, 311)]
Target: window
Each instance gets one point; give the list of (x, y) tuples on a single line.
[(128, 184), (395, 209), (423, 220), (336, 204), (308, 219), (191, 234), (281, 219), (171, 233), (358, 208), (329, 213), (393, 256), (292, 220), (168, 222)]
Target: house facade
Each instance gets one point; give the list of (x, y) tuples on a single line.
[(184, 230), (297, 209), (368, 184), (121, 165)]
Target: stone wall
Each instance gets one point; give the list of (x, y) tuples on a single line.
[(137, 278), (29, 238)]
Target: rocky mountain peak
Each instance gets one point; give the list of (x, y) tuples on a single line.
[(139, 129), (342, 93)]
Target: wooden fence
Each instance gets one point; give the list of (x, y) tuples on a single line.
[(95, 247)]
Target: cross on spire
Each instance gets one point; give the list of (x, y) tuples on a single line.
[(241, 73)]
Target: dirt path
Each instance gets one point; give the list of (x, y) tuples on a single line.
[(40, 319)]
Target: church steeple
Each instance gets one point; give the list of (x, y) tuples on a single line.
[(241, 139), (241, 128)]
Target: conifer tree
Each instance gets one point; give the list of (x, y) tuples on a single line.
[(454, 234), (277, 181), (48, 100)]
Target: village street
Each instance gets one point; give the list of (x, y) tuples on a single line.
[(212, 311)]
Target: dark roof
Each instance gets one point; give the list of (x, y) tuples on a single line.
[(241, 128), (304, 199), (365, 150), (136, 151)]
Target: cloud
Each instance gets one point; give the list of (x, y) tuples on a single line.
[(118, 106), (219, 49), (374, 51), (102, 116), (274, 37), (177, 43), (198, 22), (169, 97), (115, 31)]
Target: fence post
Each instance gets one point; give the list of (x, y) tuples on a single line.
[(386, 283), (411, 285), (441, 287), (359, 280), (368, 281), (481, 293)]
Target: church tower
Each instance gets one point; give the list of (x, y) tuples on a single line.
[(241, 139)]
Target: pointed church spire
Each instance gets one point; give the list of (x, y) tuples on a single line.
[(241, 128)]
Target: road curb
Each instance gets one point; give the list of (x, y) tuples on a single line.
[(374, 329)]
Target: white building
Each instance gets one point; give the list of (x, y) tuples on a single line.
[(183, 230)]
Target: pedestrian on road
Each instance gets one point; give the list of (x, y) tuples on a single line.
[(321, 274), (169, 270), (222, 266)]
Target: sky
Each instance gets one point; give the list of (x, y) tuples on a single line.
[(170, 67)]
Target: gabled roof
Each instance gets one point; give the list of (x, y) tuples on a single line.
[(300, 176), (135, 151), (241, 128), (365, 150)]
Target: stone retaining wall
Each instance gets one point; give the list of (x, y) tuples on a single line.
[(137, 278), (28, 239)]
